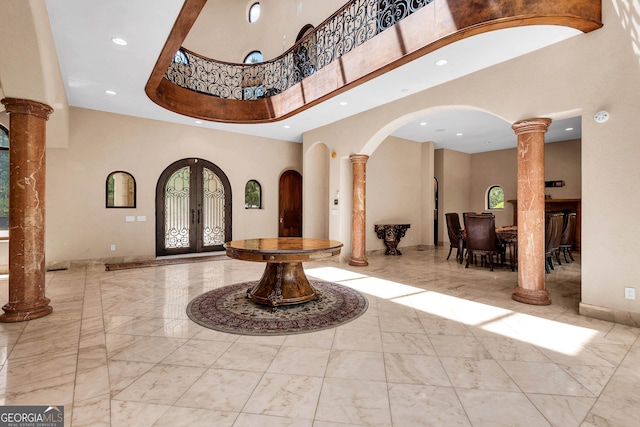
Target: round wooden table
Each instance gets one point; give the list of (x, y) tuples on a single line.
[(283, 281)]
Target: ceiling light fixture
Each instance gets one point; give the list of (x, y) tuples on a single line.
[(198, 122), (459, 134), (601, 116), (287, 126), (423, 123), (110, 92), (343, 103), (569, 129), (119, 41), (441, 62)]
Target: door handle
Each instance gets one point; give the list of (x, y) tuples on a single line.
[(281, 217), (193, 216), (198, 216)]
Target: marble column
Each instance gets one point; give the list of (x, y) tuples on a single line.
[(359, 210), (531, 214), (27, 134)]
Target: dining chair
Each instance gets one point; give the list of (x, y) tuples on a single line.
[(455, 235), (552, 236), (568, 235), (480, 238), (464, 217)]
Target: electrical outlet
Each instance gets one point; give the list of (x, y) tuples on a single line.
[(113, 248), (630, 293)]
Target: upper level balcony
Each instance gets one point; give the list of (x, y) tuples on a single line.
[(361, 41)]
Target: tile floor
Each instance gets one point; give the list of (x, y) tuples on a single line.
[(440, 345)]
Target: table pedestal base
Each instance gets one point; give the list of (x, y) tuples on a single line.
[(282, 284)]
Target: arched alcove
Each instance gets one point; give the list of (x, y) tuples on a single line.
[(318, 195)]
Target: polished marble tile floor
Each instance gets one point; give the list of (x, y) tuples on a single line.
[(440, 345)]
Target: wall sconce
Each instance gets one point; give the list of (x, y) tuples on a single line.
[(333, 155)]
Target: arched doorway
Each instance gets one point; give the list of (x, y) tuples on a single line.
[(290, 190), (193, 208)]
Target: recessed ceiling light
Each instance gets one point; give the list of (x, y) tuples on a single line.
[(343, 103), (287, 126), (568, 129), (198, 122), (119, 41), (423, 123), (110, 92), (441, 62), (459, 134)]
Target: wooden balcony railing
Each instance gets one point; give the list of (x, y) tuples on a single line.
[(350, 47)]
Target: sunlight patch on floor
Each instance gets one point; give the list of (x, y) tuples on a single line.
[(545, 333), (332, 274)]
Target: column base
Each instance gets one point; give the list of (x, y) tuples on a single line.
[(531, 296), (358, 262), (22, 312)]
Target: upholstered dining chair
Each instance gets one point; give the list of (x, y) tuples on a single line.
[(568, 235), (455, 235), (480, 231), (464, 217), (552, 236)]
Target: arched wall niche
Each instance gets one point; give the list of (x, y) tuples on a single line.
[(317, 196)]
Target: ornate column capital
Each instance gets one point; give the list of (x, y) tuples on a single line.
[(28, 107), (358, 158), (531, 125)]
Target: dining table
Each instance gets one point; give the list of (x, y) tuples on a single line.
[(283, 281)]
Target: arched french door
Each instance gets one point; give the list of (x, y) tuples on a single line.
[(193, 208)]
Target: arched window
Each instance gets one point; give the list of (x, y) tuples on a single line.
[(254, 12), (253, 195), (4, 180), (253, 57), (495, 197)]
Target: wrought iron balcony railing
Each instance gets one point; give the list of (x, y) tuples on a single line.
[(357, 22), (349, 48)]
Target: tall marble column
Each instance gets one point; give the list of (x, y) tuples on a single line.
[(27, 135), (359, 210), (531, 214)]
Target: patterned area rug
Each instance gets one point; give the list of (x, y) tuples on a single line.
[(229, 310)]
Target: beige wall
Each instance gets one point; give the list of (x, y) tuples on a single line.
[(317, 199), (394, 190), (453, 170), (80, 227)]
